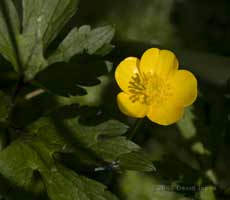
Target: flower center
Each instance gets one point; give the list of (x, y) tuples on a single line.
[(149, 89)]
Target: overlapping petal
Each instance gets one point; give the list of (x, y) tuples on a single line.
[(149, 60), (184, 88), (125, 71), (161, 62), (165, 114), (132, 109)]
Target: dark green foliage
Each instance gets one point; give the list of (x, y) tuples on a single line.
[(44, 145)]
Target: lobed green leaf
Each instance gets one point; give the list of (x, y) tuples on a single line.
[(82, 40)]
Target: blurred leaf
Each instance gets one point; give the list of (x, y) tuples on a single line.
[(136, 186), (146, 21), (170, 168), (199, 148), (83, 39), (186, 124), (212, 176), (207, 193)]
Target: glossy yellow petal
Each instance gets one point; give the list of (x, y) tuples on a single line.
[(165, 113), (125, 71), (149, 60), (184, 87), (161, 62), (168, 63), (132, 109)]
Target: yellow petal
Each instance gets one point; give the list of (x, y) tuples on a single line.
[(132, 109), (184, 87), (149, 60), (125, 71), (168, 63), (161, 62), (165, 114)]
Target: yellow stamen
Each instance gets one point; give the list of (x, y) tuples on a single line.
[(148, 89)]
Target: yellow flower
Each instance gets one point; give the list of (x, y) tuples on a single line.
[(154, 87)]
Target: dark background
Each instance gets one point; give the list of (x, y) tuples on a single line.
[(199, 31)]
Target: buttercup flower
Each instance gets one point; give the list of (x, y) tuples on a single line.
[(154, 87)]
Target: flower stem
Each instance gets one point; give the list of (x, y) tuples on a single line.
[(131, 134)]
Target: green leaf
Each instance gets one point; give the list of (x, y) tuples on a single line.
[(64, 184), (110, 128), (106, 130), (186, 124), (104, 140), (9, 27), (42, 21), (31, 53), (45, 18), (88, 143), (98, 37), (138, 161), (112, 149), (60, 183), (18, 163), (83, 39)]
